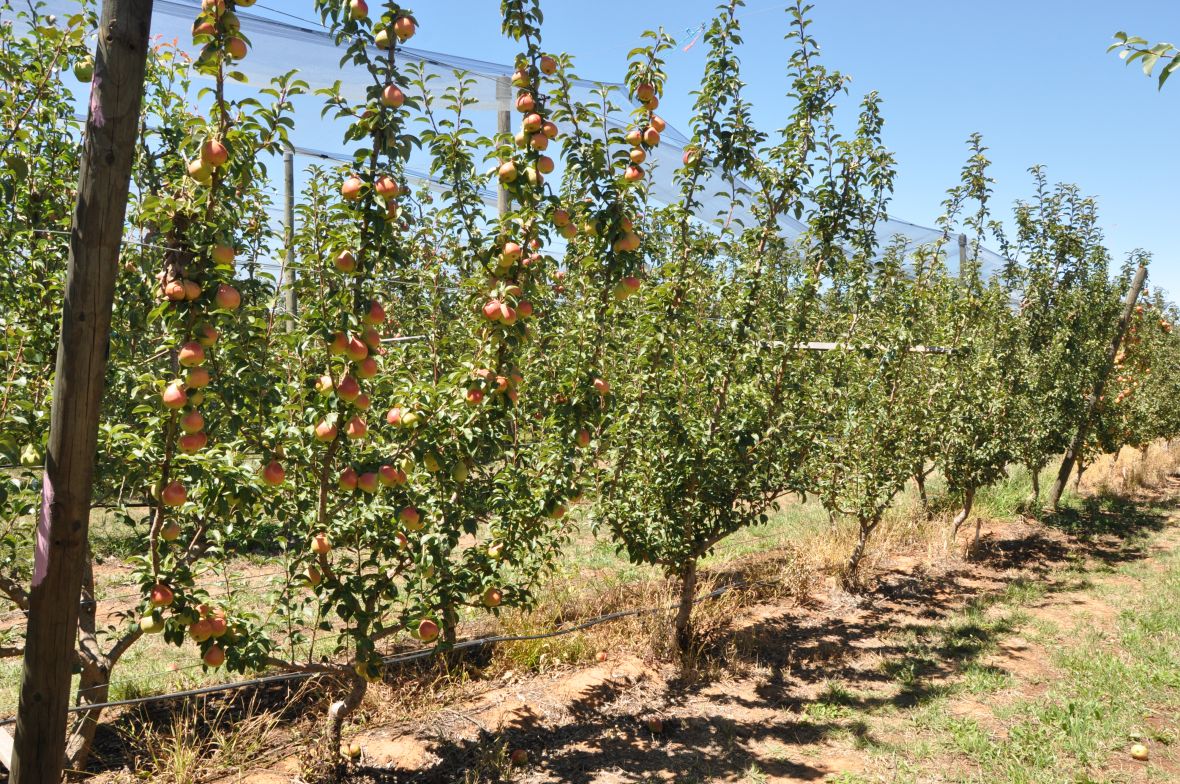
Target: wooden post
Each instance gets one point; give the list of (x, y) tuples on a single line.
[(289, 238), (962, 254), (503, 125), (63, 527), (1079, 440)]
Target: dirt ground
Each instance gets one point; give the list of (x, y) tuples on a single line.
[(768, 697)]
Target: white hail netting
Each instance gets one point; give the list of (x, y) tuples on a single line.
[(278, 47)]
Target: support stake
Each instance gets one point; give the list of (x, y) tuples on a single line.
[(95, 240), (1079, 440)]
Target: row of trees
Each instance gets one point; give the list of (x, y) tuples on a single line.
[(587, 345)]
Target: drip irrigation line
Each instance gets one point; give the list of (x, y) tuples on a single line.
[(394, 659)]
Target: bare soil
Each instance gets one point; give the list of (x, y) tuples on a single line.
[(769, 694)]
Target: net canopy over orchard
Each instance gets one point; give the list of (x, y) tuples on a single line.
[(304, 45)]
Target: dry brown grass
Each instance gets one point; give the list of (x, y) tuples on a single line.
[(1132, 469), (196, 744)]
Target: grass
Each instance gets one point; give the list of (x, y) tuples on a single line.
[(1113, 687)]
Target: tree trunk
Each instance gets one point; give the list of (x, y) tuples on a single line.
[(851, 579), (94, 681), (1034, 473), (1077, 480), (94, 687), (923, 498), (964, 512), (340, 711), (688, 587), (63, 528), (450, 625)]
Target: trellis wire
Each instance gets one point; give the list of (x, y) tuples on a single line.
[(402, 658)]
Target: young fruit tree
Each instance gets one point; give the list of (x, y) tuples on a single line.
[(1068, 307), (973, 404), (716, 402)]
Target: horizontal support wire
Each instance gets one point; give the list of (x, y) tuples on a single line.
[(402, 658), (409, 656)]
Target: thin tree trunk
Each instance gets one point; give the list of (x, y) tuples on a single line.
[(688, 587), (1034, 498), (964, 512), (1076, 445), (1077, 480), (340, 711), (923, 498), (851, 579), (95, 680), (94, 687), (450, 624)]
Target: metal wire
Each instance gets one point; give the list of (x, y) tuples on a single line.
[(402, 658)]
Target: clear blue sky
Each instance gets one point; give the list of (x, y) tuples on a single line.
[(1031, 76)]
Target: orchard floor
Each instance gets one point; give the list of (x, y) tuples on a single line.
[(1041, 659)]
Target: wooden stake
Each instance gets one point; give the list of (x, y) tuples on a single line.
[(503, 126), (95, 240), (1079, 440), (289, 238)]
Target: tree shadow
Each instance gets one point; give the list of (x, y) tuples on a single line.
[(923, 629)]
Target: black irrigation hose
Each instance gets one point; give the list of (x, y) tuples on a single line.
[(394, 659)]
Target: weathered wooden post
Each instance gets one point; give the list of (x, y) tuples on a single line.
[(503, 125), (1079, 440), (63, 528), (289, 238)]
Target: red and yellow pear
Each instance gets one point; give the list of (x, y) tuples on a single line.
[(390, 476), (411, 518), (161, 595), (356, 428), (192, 422), (325, 431), (375, 315), (228, 297), (348, 389), (321, 544), (404, 28), (174, 494), (273, 474), (191, 354), (174, 396), (192, 443), (214, 154), (427, 631), (352, 189), (215, 656)]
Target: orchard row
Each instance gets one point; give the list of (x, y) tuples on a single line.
[(589, 346)]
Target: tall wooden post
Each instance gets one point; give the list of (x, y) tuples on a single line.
[(962, 254), (95, 239), (1079, 440), (289, 238), (503, 125)]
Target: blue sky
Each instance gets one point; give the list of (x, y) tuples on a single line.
[(1033, 77)]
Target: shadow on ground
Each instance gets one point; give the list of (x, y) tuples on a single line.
[(761, 696)]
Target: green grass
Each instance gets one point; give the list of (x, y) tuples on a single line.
[(1093, 711)]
